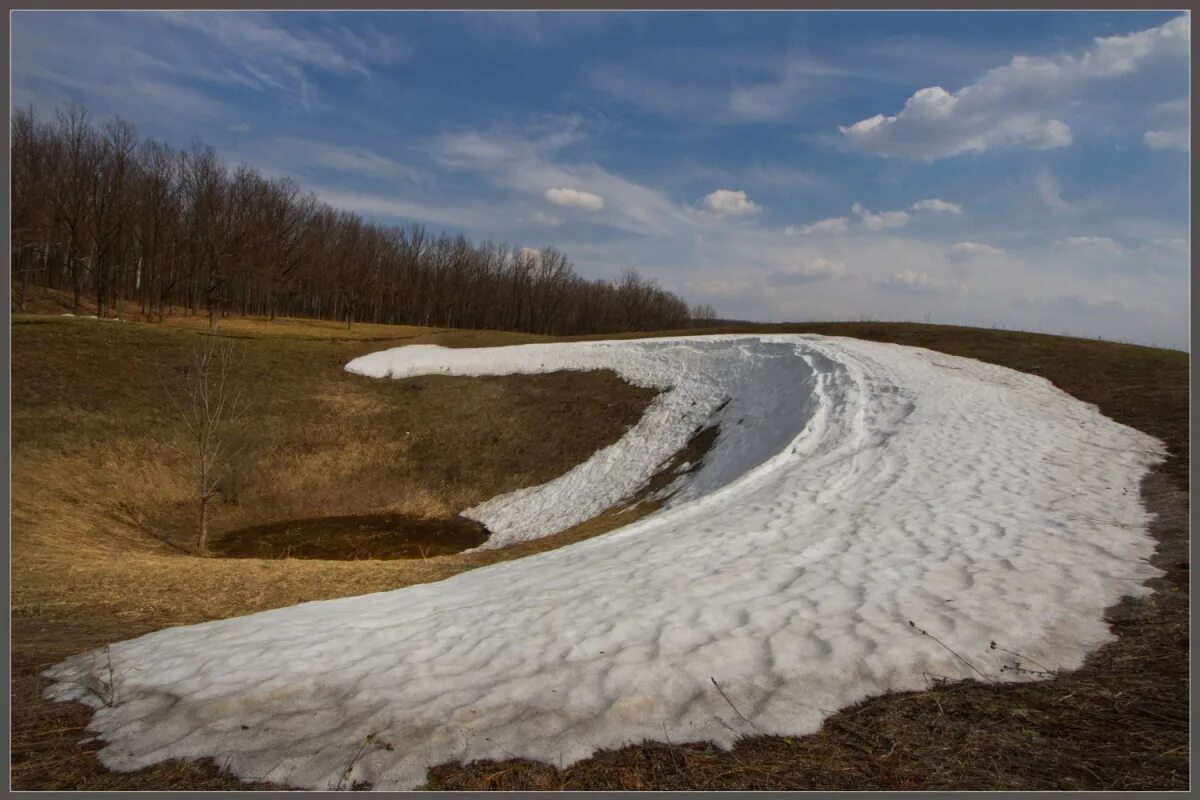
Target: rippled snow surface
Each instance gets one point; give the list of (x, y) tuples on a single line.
[(853, 487)]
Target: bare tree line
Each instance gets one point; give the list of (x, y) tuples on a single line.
[(98, 211)]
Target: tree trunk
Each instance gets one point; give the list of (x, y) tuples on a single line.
[(202, 538), (24, 288)]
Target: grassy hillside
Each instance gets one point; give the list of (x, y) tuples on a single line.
[(101, 523)]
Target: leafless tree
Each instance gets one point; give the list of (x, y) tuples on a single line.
[(703, 313), (208, 401), (96, 209)]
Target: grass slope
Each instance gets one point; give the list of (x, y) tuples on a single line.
[(99, 513)]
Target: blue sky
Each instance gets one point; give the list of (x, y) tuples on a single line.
[(1024, 169)]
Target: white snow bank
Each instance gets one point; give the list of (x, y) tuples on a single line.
[(766, 393), (854, 487)]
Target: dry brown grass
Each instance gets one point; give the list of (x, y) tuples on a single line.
[(96, 558), (103, 512)]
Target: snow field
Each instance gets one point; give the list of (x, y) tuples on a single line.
[(854, 487)]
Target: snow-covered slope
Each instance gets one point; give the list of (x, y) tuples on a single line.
[(854, 487)]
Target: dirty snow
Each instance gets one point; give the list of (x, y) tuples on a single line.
[(854, 487)]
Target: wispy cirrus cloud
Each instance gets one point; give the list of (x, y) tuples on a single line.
[(399, 209), (300, 155), (532, 162), (259, 40), (720, 86), (185, 63)]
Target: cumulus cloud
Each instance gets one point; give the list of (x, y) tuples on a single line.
[(831, 225), (575, 198), (728, 202), (880, 221), (1013, 106), (936, 205), (1168, 140)]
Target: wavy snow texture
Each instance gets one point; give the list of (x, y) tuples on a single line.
[(854, 487)]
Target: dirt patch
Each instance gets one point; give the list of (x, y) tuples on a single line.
[(352, 538)]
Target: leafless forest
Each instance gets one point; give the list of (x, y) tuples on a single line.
[(104, 214)]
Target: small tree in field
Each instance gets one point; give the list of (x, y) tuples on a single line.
[(209, 403)]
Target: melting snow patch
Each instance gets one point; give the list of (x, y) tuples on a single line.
[(853, 487)]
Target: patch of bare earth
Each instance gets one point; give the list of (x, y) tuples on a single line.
[(97, 558)]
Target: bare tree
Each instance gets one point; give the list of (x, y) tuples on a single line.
[(209, 403), (703, 313), (96, 209)]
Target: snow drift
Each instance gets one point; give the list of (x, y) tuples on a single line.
[(854, 487)]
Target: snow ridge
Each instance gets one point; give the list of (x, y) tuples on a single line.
[(854, 487)]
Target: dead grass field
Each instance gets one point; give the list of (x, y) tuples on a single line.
[(99, 519)]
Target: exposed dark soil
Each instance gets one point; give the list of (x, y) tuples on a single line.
[(380, 536), (685, 461)]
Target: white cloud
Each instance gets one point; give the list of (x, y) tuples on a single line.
[(718, 288), (575, 198), (1168, 140), (529, 161), (407, 210), (939, 206), (1013, 106), (724, 85), (830, 225), (730, 203), (914, 280), (962, 251), (297, 154), (1172, 244), (1050, 191), (758, 272), (548, 220), (815, 269), (1102, 244), (256, 35), (880, 221), (775, 98)]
